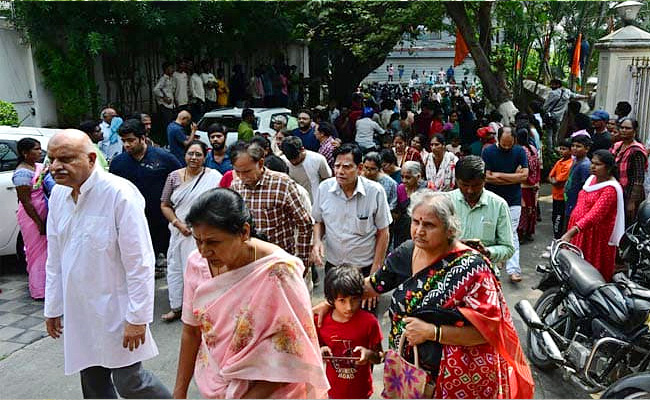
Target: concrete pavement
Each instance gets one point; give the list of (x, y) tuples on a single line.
[(36, 370)]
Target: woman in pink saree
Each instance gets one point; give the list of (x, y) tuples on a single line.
[(32, 212), (248, 328)]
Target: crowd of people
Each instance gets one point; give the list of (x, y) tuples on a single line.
[(193, 86), (424, 196)]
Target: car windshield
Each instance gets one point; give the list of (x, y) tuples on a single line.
[(231, 122)]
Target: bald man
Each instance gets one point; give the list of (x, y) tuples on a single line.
[(100, 274), (111, 144), (176, 136)]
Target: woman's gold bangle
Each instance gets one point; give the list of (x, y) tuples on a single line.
[(435, 332), (439, 334)]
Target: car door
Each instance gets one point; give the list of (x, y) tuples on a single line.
[(8, 199)]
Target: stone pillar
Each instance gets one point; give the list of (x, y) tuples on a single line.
[(617, 50)]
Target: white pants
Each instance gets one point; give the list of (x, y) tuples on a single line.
[(512, 265), (179, 250)]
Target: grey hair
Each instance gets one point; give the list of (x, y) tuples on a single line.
[(413, 167), (441, 205)]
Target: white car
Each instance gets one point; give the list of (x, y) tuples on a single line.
[(9, 137), (231, 118)]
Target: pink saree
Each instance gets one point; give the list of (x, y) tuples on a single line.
[(256, 324), (35, 243)]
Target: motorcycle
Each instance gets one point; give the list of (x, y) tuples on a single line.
[(596, 332), (634, 248), (636, 386)]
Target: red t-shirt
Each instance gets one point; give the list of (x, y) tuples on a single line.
[(348, 380)]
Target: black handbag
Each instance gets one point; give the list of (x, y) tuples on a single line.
[(430, 352)]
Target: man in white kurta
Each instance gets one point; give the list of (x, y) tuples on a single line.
[(100, 274)]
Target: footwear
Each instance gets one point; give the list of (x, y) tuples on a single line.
[(546, 254), (171, 316), (548, 248), (514, 278)]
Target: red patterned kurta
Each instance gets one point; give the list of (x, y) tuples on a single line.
[(595, 215)]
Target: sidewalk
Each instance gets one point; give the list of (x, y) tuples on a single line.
[(36, 370), (21, 318)]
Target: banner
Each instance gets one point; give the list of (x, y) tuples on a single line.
[(461, 50), (575, 65)]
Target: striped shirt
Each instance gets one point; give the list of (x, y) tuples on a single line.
[(278, 212)]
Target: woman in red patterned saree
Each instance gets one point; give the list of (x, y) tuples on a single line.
[(449, 303)]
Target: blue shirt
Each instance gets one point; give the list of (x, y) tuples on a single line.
[(176, 137), (308, 138), (497, 160), (224, 166), (148, 175), (577, 176)]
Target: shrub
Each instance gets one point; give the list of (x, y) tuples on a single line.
[(8, 114)]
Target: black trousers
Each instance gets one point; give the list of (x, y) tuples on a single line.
[(166, 115), (131, 382), (159, 232), (558, 218)]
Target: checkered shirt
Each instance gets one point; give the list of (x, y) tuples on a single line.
[(278, 212)]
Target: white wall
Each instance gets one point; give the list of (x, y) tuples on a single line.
[(21, 83)]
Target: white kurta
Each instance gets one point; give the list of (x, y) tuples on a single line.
[(100, 271)]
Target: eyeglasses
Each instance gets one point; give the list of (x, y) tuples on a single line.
[(194, 155)]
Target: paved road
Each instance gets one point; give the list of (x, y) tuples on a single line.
[(36, 370)]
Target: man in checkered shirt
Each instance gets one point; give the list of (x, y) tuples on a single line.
[(273, 200)]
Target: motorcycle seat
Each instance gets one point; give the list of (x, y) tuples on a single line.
[(581, 275)]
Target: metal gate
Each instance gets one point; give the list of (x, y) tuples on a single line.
[(640, 72)]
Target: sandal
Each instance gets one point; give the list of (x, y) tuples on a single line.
[(171, 316)]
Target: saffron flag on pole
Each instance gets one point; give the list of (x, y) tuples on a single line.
[(461, 50), (575, 65)]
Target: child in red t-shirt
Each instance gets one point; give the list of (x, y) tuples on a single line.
[(348, 331)]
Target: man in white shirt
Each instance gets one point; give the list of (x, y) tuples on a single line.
[(181, 87), (164, 93), (351, 215), (210, 86), (100, 274), (366, 129), (306, 167), (111, 144), (197, 93)]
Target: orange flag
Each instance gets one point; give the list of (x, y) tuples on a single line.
[(575, 65), (461, 50)]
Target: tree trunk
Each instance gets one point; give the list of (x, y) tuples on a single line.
[(347, 74), (485, 27), (494, 86)]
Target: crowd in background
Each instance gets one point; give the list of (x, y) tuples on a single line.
[(354, 186)]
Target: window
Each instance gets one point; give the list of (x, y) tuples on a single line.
[(8, 157)]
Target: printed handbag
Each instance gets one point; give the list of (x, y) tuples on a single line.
[(403, 380)]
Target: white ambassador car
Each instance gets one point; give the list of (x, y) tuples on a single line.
[(231, 118), (10, 239)]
